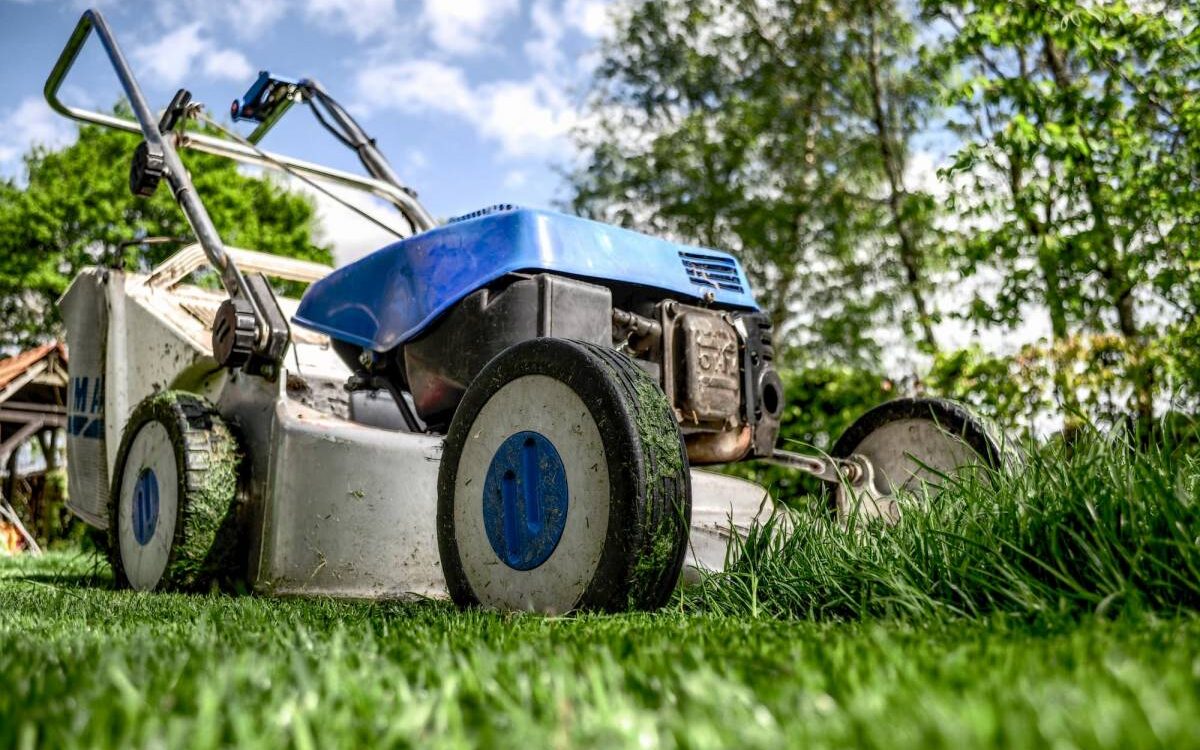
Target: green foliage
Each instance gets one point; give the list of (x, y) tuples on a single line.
[(783, 133), (1078, 170), (1021, 389), (1010, 390), (779, 132), (75, 210)]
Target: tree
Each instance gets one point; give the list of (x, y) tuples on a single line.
[(780, 132), (76, 210), (1080, 124)]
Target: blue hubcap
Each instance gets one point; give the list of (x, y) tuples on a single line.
[(145, 506), (525, 500)]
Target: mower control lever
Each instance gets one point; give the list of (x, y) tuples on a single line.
[(267, 99), (270, 97), (246, 153)]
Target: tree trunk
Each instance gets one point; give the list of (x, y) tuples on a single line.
[(910, 253), (1117, 282), (1037, 228), (46, 443)]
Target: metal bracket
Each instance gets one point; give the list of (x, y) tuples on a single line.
[(364, 381), (267, 357), (833, 470), (266, 102), (854, 477)]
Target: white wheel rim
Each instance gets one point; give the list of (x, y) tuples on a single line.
[(534, 403), (146, 529), (909, 452)]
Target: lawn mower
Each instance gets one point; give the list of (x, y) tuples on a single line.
[(508, 408)]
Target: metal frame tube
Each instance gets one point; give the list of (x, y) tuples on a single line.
[(147, 126), (409, 207)]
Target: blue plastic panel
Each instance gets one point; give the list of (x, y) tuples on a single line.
[(391, 295), (145, 507), (525, 499)]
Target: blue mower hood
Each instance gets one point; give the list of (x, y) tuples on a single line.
[(392, 295)]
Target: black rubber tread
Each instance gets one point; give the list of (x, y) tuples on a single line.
[(954, 417), (650, 495), (668, 517), (206, 549)]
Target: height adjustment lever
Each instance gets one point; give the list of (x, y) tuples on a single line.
[(148, 165), (174, 111)]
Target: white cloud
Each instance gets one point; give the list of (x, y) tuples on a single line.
[(591, 18), (414, 162), (249, 18), (463, 27), (543, 50), (245, 19), (174, 56), (361, 18), (516, 179), (31, 123), (228, 63), (171, 57), (527, 118), (416, 85)]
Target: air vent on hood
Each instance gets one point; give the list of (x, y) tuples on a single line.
[(712, 270)]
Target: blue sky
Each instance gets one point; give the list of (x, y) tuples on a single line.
[(472, 100)]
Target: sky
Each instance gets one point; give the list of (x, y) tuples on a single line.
[(471, 100)]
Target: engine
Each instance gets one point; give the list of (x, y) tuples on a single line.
[(715, 365)]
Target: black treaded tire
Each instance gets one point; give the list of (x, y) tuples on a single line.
[(649, 501), (205, 544), (953, 416)]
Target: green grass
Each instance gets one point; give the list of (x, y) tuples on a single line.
[(1056, 607), (1096, 528)]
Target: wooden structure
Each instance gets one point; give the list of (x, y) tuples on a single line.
[(33, 393)]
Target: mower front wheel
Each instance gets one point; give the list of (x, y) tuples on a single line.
[(563, 484)]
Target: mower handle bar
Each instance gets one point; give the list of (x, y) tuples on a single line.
[(416, 215), (177, 177)]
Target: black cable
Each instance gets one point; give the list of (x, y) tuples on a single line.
[(345, 141), (357, 136), (303, 178), (374, 161), (330, 103)]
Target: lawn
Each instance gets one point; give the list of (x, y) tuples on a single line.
[(1066, 620)]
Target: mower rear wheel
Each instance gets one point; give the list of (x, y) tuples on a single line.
[(563, 485), (913, 446), (173, 511)]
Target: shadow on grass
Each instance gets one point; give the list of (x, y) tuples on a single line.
[(66, 569)]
